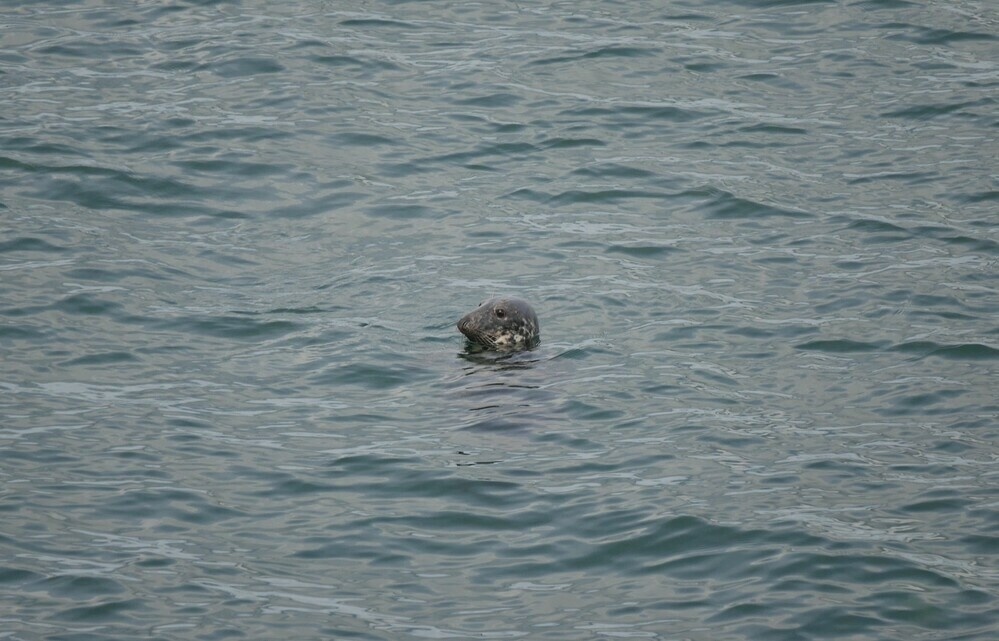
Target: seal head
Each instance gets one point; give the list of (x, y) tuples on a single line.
[(504, 324)]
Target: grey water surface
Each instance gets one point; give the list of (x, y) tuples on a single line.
[(762, 238)]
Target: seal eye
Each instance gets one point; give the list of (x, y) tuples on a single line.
[(500, 313)]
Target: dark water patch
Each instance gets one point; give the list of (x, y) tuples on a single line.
[(768, 129), (986, 544), (571, 143), (581, 411), (94, 197), (96, 180), (414, 483), (740, 612), (246, 66), (682, 547), (409, 168), (980, 197), (833, 623), (18, 577), (613, 170), (689, 332), (359, 139), (879, 227), (704, 67), (513, 150), (912, 177), (604, 52), (169, 506), (197, 141), (10, 332), (622, 52), (349, 548), (769, 4), (935, 300), (188, 423), (64, 50), (357, 465), (290, 487), (340, 61), (87, 305), (530, 194), (841, 346), (12, 58), (155, 563), (962, 351), (499, 424), (578, 196), (399, 211), (856, 568), (108, 612), (39, 456), (770, 241), (719, 204), (136, 457), (494, 100), (974, 244), (917, 347), (756, 332), (777, 260), (644, 113), (177, 65), (967, 351), (29, 244), (100, 275), (33, 145), (886, 4), (642, 251), (142, 143), (320, 205), (923, 404), (227, 167), (377, 23), (331, 202), (945, 506), (370, 376), (930, 111), (311, 309), (506, 127), (107, 358), (79, 587), (774, 80), (854, 303), (931, 35), (236, 327), (445, 520), (82, 194)]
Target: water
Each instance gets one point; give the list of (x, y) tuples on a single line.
[(761, 238)]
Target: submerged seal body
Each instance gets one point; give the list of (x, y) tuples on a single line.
[(503, 323)]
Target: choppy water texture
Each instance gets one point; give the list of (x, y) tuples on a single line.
[(761, 238)]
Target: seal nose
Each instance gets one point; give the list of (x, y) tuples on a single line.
[(462, 324)]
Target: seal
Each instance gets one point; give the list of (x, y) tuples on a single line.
[(504, 323)]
